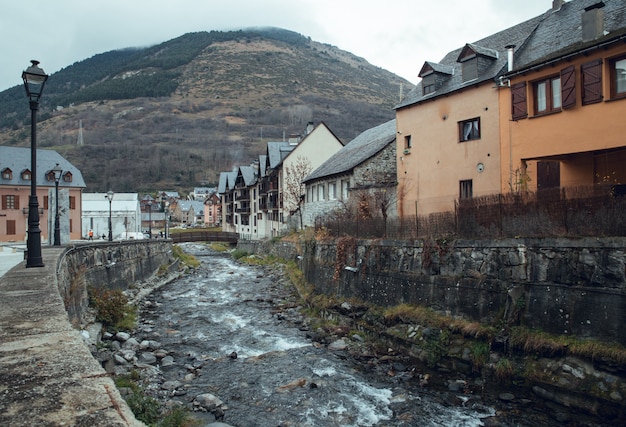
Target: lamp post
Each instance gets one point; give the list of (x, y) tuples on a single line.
[(167, 218), (109, 196), (34, 81), (149, 220), (57, 227)]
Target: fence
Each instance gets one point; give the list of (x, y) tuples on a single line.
[(574, 212)]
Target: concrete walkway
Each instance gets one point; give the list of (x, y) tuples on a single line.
[(48, 377)]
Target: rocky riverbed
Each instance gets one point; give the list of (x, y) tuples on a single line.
[(231, 343)]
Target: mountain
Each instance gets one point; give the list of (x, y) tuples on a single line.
[(174, 115)]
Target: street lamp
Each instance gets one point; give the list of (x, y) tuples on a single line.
[(57, 171), (150, 220), (34, 81), (167, 218), (109, 196)]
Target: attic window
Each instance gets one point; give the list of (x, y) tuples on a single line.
[(67, 177), (475, 60), (7, 173), (26, 175), (470, 69), (428, 84)]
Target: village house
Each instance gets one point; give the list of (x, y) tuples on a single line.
[(448, 126), (562, 110), (364, 170), (15, 186), (213, 210), (263, 200), (124, 210)]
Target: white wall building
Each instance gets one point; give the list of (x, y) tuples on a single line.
[(125, 215)]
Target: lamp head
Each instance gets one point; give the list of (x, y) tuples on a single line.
[(34, 80)]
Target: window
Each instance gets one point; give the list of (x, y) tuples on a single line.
[(345, 188), (618, 78), (7, 173), (591, 73), (10, 226), (407, 143), (547, 95), (470, 69), (72, 202), (465, 189), (10, 202), (518, 101), (428, 84), (332, 191), (469, 129), (46, 203), (26, 175), (320, 192)]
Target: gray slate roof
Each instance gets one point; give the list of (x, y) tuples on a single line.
[(488, 46), (560, 32), (227, 181), (18, 159), (360, 149), (277, 151)]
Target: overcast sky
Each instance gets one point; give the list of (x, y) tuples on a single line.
[(397, 35)]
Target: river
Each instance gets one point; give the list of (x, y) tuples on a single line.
[(234, 331)]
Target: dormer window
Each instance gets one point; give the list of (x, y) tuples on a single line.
[(434, 76), (7, 174), (475, 60), (26, 175), (67, 177)]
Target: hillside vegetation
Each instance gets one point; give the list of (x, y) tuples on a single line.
[(174, 115)]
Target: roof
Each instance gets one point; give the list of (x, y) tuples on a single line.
[(18, 159), (493, 47), (186, 205), (560, 33), (227, 181), (95, 202), (363, 147), (277, 151)]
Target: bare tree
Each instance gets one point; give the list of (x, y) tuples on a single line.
[(293, 191)]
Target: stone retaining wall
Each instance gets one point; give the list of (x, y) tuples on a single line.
[(115, 265), (562, 286)]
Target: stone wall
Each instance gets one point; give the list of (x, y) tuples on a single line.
[(115, 265), (562, 286)]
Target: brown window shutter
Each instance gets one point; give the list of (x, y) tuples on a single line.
[(72, 202), (518, 101), (591, 82), (568, 87), (17, 202), (4, 203)]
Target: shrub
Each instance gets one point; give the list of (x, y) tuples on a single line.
[(112, 308), (504, 370)]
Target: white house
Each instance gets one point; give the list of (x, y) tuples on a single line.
[(125, 214)]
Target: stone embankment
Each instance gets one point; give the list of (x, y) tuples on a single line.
[(47, 373), (569, 288)]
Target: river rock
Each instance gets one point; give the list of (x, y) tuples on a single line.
[(218, 424), (122, 336), (147, 358), (167, 361), (337, 345), (131, 344), (207, 401)]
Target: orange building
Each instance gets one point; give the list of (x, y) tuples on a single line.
[(15, 181), (448, 142), (564, 116)]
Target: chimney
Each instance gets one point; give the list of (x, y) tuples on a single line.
[(509, 49), (294, 139), (593, 22), (556, 4)]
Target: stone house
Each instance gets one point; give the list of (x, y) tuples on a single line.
[(363, 170)]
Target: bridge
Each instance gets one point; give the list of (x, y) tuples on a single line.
[(205, 236)]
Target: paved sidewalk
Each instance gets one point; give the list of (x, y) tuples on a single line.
[(48, 377), (10, 256)]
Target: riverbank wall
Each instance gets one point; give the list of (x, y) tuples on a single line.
[(561, 286), (572, 288), (48, 375)]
